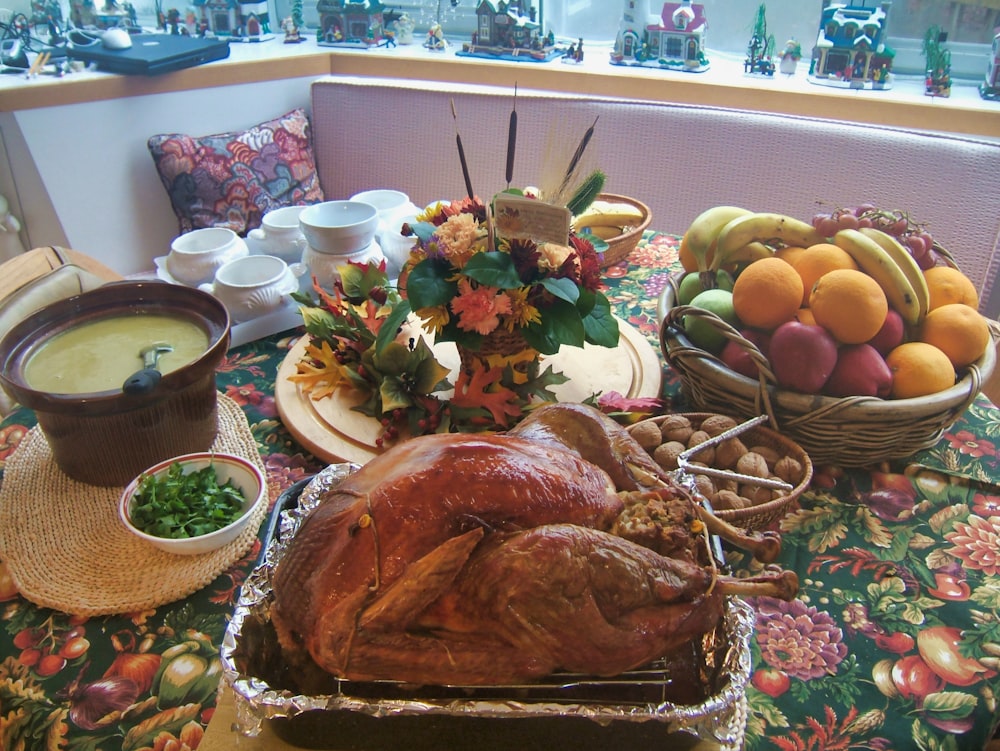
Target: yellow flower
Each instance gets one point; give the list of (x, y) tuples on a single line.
[(459, 238), (553, 255), (434, 319), (521, 311)]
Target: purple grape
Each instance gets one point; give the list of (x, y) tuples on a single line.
[(818, 219), (846, 220), (828, 227), (918, 248), (865, 208), (899, 227), (866, 221)]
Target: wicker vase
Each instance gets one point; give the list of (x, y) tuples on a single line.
[(498, 348)]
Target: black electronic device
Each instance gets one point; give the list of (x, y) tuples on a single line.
[(150, 54)]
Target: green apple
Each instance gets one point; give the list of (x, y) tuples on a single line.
[(703, 333), (694, 282)]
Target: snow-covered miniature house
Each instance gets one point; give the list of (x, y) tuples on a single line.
[(673, 39), (511, 25), (353, 24), (235, 19), (990, 87), (851, 45)]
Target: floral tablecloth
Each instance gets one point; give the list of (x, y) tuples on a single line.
[(893, 642)]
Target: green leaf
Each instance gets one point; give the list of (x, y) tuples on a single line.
[(560, 325), (494, 269), (563, 288), (394, 359), (391, 324), (394, 394), (423, 230), (600, 325), (427, 285), (950, 705), (429, 375)]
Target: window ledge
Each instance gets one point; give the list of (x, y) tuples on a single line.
[(724, 85)]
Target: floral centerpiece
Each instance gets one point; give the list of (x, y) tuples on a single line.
[(503, 302), (507, 283)]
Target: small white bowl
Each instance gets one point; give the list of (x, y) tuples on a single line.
[(244, 475), (339, 227)]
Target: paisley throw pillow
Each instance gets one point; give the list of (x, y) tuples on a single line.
[(233, 179)]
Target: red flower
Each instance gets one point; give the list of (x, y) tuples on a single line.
[(986, 505), (966, 442)]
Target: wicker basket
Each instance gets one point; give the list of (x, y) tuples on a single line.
[(761, 515), (851, 432), (500, 342), (619, 247)]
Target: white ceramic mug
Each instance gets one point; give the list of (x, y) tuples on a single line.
[(279, 233), (396, 246), (196, 255), (324, 265), (253, 286)]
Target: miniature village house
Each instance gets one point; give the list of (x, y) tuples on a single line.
[(511, 25), (233, 18), (850, 45), (990, 87), (356, 24), (676, 36)]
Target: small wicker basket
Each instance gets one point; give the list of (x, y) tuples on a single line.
[(850, 432), (761, 515), (619, 247)]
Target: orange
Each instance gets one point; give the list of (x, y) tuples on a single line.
[(790, 253), (816, 261), (688, 262), (947, 285), (767, 293), (919, 369), (957, 330), (849, 304)]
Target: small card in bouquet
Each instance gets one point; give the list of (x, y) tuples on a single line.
[(520, 217)]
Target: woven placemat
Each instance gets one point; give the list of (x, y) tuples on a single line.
[(66, 548)]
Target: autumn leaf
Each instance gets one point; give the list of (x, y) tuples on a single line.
[(318, 373), (482, 389)]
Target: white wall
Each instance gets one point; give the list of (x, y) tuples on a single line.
[(82, 172)]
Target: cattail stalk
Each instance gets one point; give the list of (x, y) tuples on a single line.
[(512, 139), (578, 155), (461, 154)]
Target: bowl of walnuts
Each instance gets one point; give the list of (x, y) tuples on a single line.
[(749, 473)]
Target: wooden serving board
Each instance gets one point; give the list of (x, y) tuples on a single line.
[(334, 432)]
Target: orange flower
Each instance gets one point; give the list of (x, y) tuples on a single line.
[(977, 544), (478, 308)]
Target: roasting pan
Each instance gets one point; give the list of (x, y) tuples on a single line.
[(659, 706)]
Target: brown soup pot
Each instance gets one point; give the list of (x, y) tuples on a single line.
[(107, 438)]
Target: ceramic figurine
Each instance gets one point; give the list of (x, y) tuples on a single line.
[(435, 38), (790, 57), (403, 26), (673, 38), (937, 59), (990, 87), (511, 31), (851, 49)]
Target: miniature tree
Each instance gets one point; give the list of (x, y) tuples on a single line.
[(761, 44), (937, 62), (297, 18)]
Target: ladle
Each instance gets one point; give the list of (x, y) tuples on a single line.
[(145, 380)]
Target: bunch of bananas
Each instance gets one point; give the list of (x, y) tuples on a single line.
[(608, 219), (726, 237)]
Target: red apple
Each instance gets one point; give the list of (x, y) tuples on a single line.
[(860, 371), (771, 681), (891, 335), (802, 356), (736, 357), (914, 678)]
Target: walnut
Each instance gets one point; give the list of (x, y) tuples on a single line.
[(705, 455), (705, 485), (676, 428), (789, 469), (753, 465), (756, 494), (666, 454), (727, 499), (728, 453), (768, 453), (715, 424), (647, 434)]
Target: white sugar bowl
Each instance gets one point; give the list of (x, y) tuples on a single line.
[(253, 286), (195, 256)]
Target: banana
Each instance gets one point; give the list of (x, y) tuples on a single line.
[(702, 232), (605, 232), (749, 253), (766, 228), (880, 266), (608, 214), (907, 265)]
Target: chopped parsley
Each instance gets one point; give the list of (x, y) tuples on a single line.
[(178, 505)]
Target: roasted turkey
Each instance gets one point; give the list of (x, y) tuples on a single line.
[(494, 559)]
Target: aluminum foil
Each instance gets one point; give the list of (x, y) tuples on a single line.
[(637, 696)]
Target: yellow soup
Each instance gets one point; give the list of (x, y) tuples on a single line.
[(100, 355)]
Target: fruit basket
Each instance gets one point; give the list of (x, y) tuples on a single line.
[(620, 246), (761, 513), (849, 431)]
